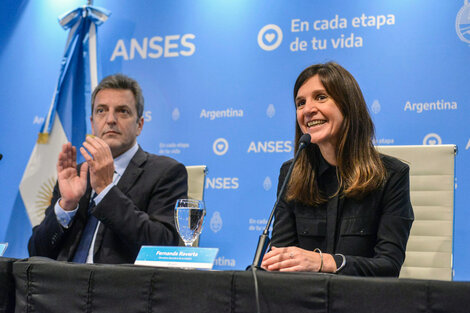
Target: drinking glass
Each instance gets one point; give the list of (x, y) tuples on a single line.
[(189, 219)]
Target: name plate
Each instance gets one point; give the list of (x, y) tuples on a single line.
[(3, 247), (180, 257)]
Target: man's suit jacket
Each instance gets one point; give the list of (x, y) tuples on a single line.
[(138, 211)]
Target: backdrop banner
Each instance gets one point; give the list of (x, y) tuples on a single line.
[(218, 78)]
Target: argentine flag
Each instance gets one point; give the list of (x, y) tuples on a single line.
[(65, 121)]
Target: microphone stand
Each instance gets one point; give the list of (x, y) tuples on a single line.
[(263, 241)]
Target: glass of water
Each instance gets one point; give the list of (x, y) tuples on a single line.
[(189, 219)]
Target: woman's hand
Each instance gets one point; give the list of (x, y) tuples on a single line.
[(294, 259)]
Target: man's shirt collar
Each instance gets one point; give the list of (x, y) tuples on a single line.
[(122, 161)]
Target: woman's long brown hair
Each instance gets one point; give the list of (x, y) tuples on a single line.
[(359, 167)]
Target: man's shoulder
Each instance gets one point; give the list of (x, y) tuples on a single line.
[(160, 160)]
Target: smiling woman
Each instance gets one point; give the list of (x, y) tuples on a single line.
[(319, 116), (347, 208), (328, 98)]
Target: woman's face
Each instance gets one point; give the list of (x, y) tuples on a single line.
[(317, 113)]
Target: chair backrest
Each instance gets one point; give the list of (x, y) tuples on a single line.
[(429, 249), (196, 181)]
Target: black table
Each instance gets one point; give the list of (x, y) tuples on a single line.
[(43, 285), (7, 286)]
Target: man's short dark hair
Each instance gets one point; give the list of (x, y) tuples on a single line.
[(120, 81)]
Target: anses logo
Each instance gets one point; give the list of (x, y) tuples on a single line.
[(155, 47)]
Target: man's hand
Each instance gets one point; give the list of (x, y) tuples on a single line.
[(100, 161), (71, 185)]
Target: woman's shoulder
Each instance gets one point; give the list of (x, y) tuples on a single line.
[(393, 164), (286, 164), (285, 167)]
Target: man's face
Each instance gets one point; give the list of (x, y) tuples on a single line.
[(114, 119)]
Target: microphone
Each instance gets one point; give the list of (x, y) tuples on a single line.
[(264, 240), (1, 156)]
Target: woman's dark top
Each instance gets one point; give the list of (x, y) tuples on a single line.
[(371, 233)]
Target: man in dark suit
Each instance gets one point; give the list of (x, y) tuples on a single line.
[(121, 198)]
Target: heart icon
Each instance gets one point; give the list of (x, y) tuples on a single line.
[(269, 37), (220, 146)]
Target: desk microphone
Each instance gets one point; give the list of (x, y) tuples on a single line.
[(264, 240)]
